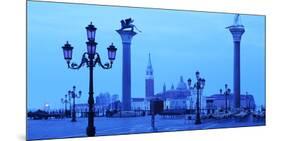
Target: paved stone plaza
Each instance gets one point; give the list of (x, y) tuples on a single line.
[(61, 128)]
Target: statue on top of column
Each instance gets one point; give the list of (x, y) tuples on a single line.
[(237, 20), (127, 24)]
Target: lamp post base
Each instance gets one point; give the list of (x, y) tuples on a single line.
[(197, 122), (73, 117), (91, 131)]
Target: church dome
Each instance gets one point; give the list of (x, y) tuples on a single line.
[(181, 85)]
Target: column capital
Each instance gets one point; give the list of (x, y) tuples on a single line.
[(126, 35), (237, 32)]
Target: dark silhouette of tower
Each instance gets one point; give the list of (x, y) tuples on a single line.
[(149, 80), (237, 30), (126, 36)]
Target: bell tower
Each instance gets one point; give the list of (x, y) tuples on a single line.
[(149, 80)]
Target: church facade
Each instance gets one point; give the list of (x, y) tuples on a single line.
[(180, 97)]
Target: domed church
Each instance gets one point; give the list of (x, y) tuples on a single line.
[(180, 92), (176, 98)]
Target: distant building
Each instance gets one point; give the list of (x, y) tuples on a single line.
[(103, 102), (138, 104), (182, 97), (115, 102), (178, 98), (115, 98), (82, 107), (217, 102)]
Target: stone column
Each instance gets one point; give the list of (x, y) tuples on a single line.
[(237, 32), (126, 36)]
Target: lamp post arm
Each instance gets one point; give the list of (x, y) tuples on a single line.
[(104, 66), (84, 60), (64, 101), (78, 96)]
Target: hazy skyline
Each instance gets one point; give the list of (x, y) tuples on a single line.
[(180, 43)]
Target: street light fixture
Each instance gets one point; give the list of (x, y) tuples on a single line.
[(199, 86), (65, 102), (226, 94), (67, 52), (91, 32), (73, 95), (111, 52), (91, 60)]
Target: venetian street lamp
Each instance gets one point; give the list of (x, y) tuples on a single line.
[(70, 105), (91, 32), (111, 52), (226, 94), (90, 59), (73, 95), (65, 101), (67, 52), (199, 86)]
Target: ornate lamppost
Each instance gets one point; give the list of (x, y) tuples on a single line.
[(73, 95), (199, 86), (226, 94), (70, 105), (90, 59), (191, 105), (65, 101)]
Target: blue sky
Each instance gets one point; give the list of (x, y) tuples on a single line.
[(180, 42)]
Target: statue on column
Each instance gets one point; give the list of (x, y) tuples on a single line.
[(236, 22), (127, 24)]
